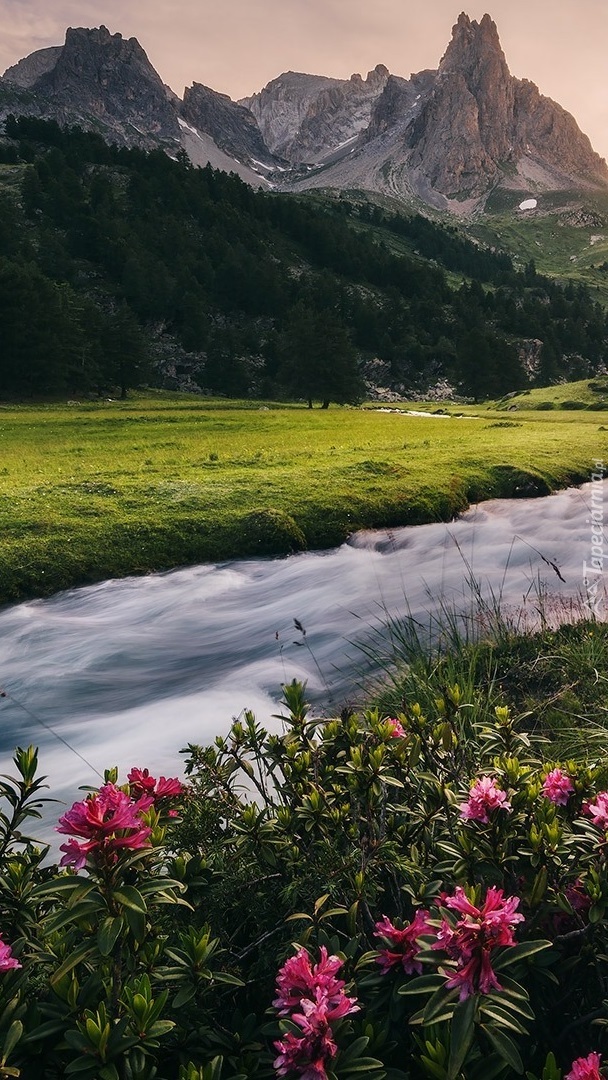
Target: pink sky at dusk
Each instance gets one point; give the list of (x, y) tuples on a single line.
[(237, 46)]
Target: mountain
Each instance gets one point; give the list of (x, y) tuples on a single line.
[(104, 82), (306, 117), (449, 137), (101, 80)]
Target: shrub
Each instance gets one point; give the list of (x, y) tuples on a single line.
[(416, 885)]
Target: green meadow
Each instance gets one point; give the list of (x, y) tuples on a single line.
[(96, 490)]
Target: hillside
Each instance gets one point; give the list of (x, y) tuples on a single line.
[(123, 266)]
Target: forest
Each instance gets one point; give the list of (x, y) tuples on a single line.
[(121, 268)]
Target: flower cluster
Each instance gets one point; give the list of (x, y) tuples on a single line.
[(585, 1068), (402, 945), (141, 783), (484, 796), (597, 809), (557, 787), (7, 960), (471, 940), (397, 730), (312, 997), (105, 822)]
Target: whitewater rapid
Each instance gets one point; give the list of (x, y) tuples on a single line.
[(129, 671)]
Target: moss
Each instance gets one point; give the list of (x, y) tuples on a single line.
[(272, 532)]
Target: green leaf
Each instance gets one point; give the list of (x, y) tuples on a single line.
[(183, 996), (513, 953), (365, 1065), (60, 885), (108, 934), (82, 1065), (423, 984), (503, 1018), (137, 923), (505, 1047), (73, 914), (353, 1050), (433, 1068), (75, 958), (161, 1027), (12, 1037), (130, 897), (462, 1031), (437, 1005)]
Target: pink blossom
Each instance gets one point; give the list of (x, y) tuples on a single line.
[(305, 1055), (7, 960), (557, 787), (484, 797), (313, 997), (299, 979), (471, 939), (75, 853), (403, 946), (396, 729), (107, 821), (141, 783), (585, 1068), (598, 809)]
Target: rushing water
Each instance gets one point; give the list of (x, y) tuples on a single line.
[(129, 671)]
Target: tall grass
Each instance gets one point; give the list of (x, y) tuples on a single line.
[(547, 660)]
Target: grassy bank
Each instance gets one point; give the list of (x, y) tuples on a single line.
[(90, 491)]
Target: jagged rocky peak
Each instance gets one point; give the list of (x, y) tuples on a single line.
[(105, 77), (376, 78), (478, 118), (233, 127)]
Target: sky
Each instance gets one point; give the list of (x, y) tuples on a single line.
[(237, 46)]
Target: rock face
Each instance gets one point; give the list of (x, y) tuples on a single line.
[(446, 137), (107, 77), (232, 127), (29, 70), (304, 118), (477, 119)]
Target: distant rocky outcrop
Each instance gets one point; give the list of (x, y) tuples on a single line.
[(304, 118), (232, 126), (28, 71)]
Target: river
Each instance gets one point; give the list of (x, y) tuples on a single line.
[(128, 671)]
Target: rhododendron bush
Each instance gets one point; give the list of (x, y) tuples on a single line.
[(401, 896)]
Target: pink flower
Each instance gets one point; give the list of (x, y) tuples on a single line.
[(76, 854), (141, 783), (585, 1068), (298, 979), (107, 821), (403, 945), (7, 960), (558, 787), (484, 797), (313, 997), (397, 730), (305, 1055), (471, 940), (598, 809)]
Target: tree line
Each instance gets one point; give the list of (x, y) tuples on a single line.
[(104, 249)]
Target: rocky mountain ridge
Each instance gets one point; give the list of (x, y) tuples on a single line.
[(447, 137)]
